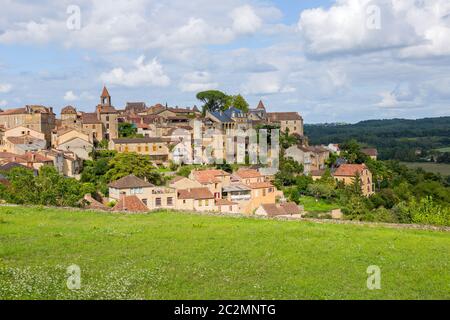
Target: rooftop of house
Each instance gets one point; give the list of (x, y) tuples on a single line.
[(274, 210), (130, 181), (283, 116), (130, 204), (105, 93), (90, 118), (260, 185), (69, 110), (27, 140), (371, 152), (209, 176), (248, 173), (195, 193), (349, 170)]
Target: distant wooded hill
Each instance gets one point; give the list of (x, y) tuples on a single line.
[(398, 139)]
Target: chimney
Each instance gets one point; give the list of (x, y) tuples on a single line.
[(122, 199)]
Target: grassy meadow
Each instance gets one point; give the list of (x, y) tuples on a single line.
[(178, 256), (442, 168)]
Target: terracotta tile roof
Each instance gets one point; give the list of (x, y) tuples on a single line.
[(13, 111), (94, 204), (248, 173), (260, 185), (290, 208), (107, 109), (273, 209), (371, 152), (105, 93), (349, 170), (283, 116), (224, 202), (209, 176), (195, 193), (130, 181), (11, 165), (130, 204), (90, 118), (35, 157)]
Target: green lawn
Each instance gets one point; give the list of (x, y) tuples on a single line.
[(311, 205), (441, 168), (179, 256)]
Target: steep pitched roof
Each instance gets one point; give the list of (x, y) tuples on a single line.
[(261, 105), (130, 204), (195, 193), (290, 208), (349, 170), (130, 181), (105, 93)]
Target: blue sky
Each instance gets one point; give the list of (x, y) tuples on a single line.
[(345, 60)]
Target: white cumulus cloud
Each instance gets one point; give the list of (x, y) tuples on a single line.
[(142, 74), (245, 20), (70, 96)]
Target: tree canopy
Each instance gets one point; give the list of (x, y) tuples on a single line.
[(213, 100)]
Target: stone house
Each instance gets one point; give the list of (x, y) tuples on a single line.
[(157, 148), (346, 173)]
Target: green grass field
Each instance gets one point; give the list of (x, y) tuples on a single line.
[(441, 168), (180, 256), (311, 205)]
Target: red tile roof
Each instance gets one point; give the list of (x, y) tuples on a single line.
[(90, 118), (349, 170), (248, 173), (195, 193), (274, 210), (105, 93), (130, 204), (261, 105), (209, 176), (260, 185), (68, 110)]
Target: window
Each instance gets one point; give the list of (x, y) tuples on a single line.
[(154, 148), (139, 149), (146, 148), (107, 118), (200, 203), (158, 202), (270, 190), (137, 191), (126, 148), (170, 201), (206, 203), (264, 192), (231, 208), (184, 201), (144, 201)]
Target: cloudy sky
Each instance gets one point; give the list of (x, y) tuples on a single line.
[(342, 60)]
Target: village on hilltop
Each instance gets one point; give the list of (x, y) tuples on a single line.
[(33, 137)]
